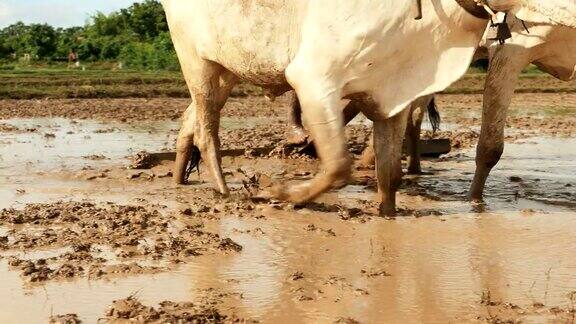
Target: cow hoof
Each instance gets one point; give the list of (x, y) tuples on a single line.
[(224, 192), (368, 158), (298, 194), (478, 205), (387, 210), (477, 200), (296, 136), (415, 172)]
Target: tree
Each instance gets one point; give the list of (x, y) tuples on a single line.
[(137, 35), (12, 38), (146, 19), (38, 40), (41, 40), (69, 39)]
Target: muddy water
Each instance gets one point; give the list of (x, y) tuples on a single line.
[(536, 170), (409, 269)]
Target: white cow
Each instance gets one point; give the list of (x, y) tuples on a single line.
[(551, 48), (328, 51)]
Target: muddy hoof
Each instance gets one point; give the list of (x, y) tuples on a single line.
[(223, 192), (415, 172), (387, 210), (478, 205), (366, 162), (296, 136), (297, 194), (476, 199)]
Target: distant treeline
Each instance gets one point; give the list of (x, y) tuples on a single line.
[(136, 36)]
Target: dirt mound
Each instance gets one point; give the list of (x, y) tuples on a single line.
[(132, 310), (99, 242), (7, 128), (65, 319), (133, 109)]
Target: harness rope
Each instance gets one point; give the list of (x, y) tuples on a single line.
[(479, 9)]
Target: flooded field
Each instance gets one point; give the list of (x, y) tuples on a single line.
[(81, 233)]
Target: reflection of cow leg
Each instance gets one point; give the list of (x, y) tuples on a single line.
[(501, 81), (388, 138)]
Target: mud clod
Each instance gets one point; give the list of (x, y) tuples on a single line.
[(375, 273), (95, 157), (133, 234), (229, 245), (132, 310), (7, 128), (346, 320), (515, 179), (297, 276), (143, 160), (65, 319)]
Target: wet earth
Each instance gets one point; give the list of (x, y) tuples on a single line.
[(85, 237)]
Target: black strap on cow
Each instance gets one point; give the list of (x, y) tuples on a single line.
[(474, 8), (471, 6), (418, 10), (480, 10), (525, 27), (502, 31)]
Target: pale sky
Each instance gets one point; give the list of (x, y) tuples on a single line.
[(58, 13)]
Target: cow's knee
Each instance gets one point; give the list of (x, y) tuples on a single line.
[(488, 157)]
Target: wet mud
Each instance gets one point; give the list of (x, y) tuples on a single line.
[(91, 226), (101, 242)]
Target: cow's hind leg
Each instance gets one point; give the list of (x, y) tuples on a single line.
[(322, 115), (210, 86), (413, 130), (296, 133), (388, 138)]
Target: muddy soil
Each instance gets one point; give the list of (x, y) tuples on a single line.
[(132, 109), (101, 242), (85, 236)]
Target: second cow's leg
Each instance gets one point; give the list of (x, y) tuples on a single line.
[(388, 138), (296, 133), (413, 130), (501, 81)]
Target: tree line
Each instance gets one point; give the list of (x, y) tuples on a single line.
[(137, 36)]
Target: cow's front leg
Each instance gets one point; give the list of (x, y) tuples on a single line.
[(323, 119), (388, 138), (501, 81)]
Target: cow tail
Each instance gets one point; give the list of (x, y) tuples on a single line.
[(434, 115)]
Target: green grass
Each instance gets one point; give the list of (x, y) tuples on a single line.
[(36, 83), (62, 83)]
